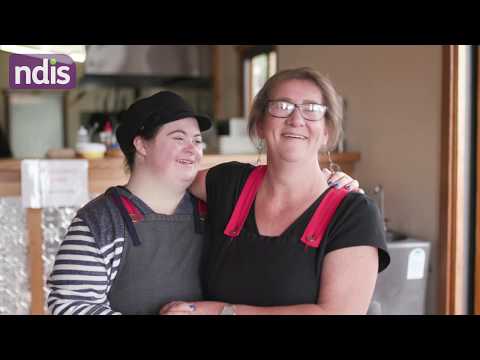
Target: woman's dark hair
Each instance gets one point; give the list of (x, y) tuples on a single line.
[(147, 132)]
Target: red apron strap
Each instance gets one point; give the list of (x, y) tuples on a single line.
[(132, 210), (202, 209), (317, 226), (245, 201)]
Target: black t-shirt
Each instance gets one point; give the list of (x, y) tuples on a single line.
[(277, 271)]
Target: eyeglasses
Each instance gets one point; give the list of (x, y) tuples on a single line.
[(284, 109)]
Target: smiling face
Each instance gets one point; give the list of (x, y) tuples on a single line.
[(175, 152), (294, 138)]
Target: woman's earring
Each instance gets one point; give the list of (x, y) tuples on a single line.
[(332, 166), (259, 147)]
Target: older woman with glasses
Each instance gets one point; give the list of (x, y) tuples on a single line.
[(282, 241)]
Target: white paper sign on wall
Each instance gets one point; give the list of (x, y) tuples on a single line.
[(416, 264), (54, 183)]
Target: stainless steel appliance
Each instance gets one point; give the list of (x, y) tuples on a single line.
[(401, 288)]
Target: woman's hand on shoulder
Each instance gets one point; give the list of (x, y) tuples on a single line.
[(341, 180)]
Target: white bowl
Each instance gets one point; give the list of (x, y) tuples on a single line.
[(91, 150)]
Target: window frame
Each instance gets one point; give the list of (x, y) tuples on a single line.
[(247, 53)]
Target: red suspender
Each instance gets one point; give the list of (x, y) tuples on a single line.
[(245, 201), (132, 210), (202, 209), (137, 216), (317, 226)]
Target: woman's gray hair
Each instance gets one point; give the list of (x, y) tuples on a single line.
[(332, 100)]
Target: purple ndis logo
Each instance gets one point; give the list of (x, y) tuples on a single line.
[(42, 71)]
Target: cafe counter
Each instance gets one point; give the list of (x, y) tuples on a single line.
[(29, 238)]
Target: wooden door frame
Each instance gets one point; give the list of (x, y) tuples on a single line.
[(476, 274), (448, 182), (452, 258)]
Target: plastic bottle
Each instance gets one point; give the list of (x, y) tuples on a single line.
[(106, 134), (82, 135)]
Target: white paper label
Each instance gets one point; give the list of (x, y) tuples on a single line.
[(54, 183), (416, 264)]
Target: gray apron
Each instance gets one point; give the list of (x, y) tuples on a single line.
[(164, 267)]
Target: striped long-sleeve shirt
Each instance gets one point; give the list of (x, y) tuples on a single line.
[(83, 273)]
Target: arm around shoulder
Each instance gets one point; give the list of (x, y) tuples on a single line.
[(199, 185)]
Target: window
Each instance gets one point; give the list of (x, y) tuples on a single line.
[(258, 63)]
